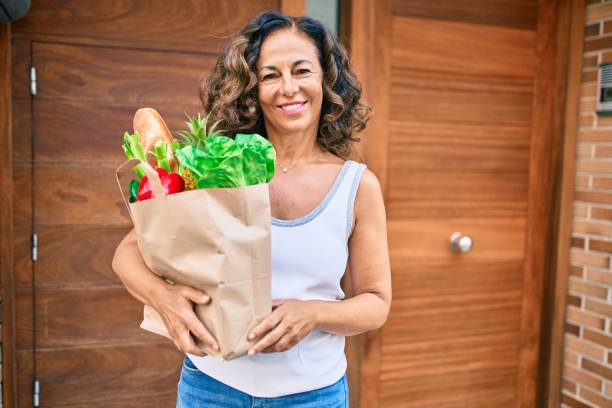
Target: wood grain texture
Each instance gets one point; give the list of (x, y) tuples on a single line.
[(369, 35), (7, 282), (294, 8), (66, 319), (553, 386), (62, 136), (65, 263), (137, 77), (477, 50), (455, 320), (545, 160), (508, 13), (104, 376), (202, 25), (77, 194)]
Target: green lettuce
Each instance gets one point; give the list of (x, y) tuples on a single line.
[(225, 162)]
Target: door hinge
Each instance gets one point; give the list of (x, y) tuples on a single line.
[(35, 393), (34, 247), (33, 81)]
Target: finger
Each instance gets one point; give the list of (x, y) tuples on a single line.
[(265, 325), (188, 345), (195, 326), (277, 303), (196, 296), (268, 340)]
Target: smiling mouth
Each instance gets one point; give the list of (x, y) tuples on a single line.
[(292, 107)]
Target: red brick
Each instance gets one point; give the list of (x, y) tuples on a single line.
[(571, 402), (578, 256), (597, 368), (572, 328), (598, 245), (604, 309), (603, 151), (602, 182), (591, 30), (587, 288), (575, 271), (584, 347), (598, 338), (601, 213), (582, 377), (599, 276), (593, 196), (586, 120), (587, 135), (589, 76), (598, 43), (589, 90), (590, 61), (594, 166), (570, 386), (580, 210), (574, 300), (604, 120), (582, 181), (577, 242), (597, 12), (585, 319), (595, 398)]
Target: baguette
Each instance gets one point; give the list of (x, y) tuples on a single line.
[(151, 128)]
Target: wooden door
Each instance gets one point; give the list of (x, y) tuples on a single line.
[(460, 141), (77, 327)]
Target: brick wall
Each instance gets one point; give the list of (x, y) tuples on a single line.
[(587, 371)]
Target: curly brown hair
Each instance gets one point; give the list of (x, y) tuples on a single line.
[(229, 93)]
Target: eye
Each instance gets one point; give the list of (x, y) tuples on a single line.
[(303, 71), (268, 77)]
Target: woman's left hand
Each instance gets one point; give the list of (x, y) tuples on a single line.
[(289, 322)]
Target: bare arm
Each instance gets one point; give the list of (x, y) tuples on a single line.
[(369, 268), (173, 302)]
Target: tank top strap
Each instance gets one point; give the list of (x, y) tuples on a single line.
[(340, 209)]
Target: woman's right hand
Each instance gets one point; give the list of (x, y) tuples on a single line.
[(175, 305)]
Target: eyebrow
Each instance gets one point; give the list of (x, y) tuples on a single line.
[(298, 62)]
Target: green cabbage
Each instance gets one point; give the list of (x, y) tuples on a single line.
[(225, 162)]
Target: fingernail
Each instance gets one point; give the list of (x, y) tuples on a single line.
[(216, 347), (251, 336), (251, 352)]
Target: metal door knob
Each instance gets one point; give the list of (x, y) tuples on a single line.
[(460, 242)]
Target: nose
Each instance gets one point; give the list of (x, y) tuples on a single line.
[(289, 85)]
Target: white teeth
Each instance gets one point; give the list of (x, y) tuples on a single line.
[(289, 107)]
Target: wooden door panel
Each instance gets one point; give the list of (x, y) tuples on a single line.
[(92, 317), (95, 376), (457, 94), (65, 263), (80, 194), (506, 13), (118, 75), (451, 338), (201, 25), (77, 131), (476, 49)]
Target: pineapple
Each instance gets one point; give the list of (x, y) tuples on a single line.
[(195, 137), (198, 133)]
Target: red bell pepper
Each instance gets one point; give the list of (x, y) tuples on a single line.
[(171, 183)]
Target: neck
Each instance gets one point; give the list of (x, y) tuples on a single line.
[(295, 147)]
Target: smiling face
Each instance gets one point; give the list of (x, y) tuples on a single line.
[(290, 82)]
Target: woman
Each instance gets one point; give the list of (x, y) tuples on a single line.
[(289, 80)]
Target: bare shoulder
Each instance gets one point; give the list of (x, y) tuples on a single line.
[(369, 202)]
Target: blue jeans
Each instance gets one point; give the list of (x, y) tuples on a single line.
[(198, 390)]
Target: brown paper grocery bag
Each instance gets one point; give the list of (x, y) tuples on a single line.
[(215, 240)]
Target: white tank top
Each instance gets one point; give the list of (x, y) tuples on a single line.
[(309, 257)]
